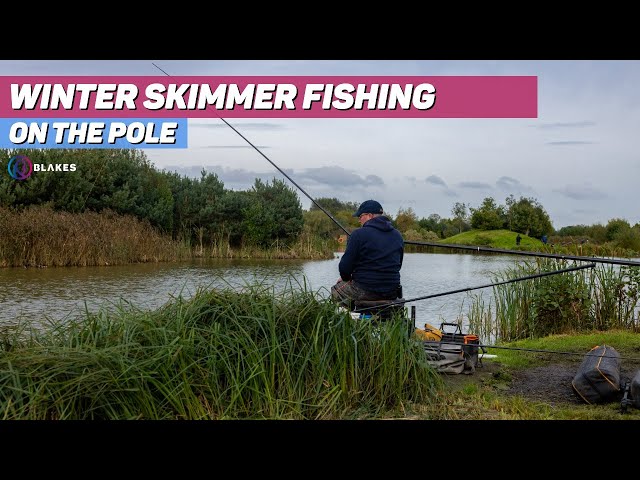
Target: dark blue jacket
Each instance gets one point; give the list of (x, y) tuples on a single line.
[(373, 256)]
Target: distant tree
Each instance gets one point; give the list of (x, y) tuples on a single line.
[(209, 199), (346, 219), (196, 205), (435, 224), (449, 228), (616, 227), (233, 225), (420, 235), (320, 225), (275, 213), (598, 233), (628, 238), (406, 219), (459, 212), (333, 205), (508, 212), (530, 218), (488, 216), (184, 207), (574, 231)]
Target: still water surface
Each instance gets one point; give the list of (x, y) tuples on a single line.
[(59, 293)]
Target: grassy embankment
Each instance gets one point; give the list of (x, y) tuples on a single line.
[(506, 240), (503, 239)]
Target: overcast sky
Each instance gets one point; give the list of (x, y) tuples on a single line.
[(580, 158)]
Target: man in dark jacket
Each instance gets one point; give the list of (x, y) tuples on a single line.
[(370, 265)]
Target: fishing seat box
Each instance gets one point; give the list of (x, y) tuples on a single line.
[(445, 358), (470, 343)]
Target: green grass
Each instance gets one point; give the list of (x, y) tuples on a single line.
[(222, 354), (504, 239), (254, 354), (625, 342), (489, 399)]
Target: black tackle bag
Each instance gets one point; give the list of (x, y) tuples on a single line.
[(598, 378), (635, 390)]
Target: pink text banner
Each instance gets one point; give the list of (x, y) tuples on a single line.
[(269, 97)]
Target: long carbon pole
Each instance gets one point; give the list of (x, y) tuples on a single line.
[(614, 261), (427, 244), (535, 350), (468, 289)]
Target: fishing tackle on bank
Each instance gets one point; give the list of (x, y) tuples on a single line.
[(427, 244)]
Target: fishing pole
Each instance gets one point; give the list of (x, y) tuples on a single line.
[(274, 165), (535, 350), (504, 282), (428, 244), (526, 253)]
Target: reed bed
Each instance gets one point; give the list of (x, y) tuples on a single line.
[(602, 298), (221, 354), (306, 246), (39, 236)]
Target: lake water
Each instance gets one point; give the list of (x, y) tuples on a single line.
[(58, 293)]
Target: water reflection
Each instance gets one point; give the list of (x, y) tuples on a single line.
[(58, 293)]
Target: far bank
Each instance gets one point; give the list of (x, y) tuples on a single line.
[(39, 236)]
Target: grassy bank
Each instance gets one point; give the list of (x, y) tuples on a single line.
[(257, 355), (218, 355), (503, 239), (523, 385), (506, 240)]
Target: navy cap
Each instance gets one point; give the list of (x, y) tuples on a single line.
[(368, 206)]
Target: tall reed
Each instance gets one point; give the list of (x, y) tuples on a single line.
[(605, 297), (40, 236), (222, 354), (306, 246)]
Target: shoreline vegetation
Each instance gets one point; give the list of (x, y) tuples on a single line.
[(257, 354), (221, 354), (39, 236), (116, 207)]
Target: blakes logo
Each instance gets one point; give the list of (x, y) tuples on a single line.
[(20, 167)]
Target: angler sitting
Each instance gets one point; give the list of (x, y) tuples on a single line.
[(370, 266)]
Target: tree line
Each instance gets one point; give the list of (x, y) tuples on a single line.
[(201, 211), (523, 215), (196, 211)]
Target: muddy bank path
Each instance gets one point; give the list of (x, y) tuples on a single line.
[(548, 382)]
